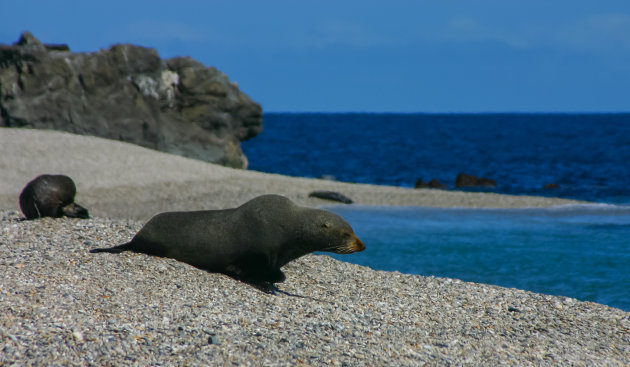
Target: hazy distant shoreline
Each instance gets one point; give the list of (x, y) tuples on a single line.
[(121, 180)]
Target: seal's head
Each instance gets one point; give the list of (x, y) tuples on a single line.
[(74, 210), (331, 233)]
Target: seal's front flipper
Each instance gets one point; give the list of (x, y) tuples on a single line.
[(274, 276), (265, 287), (115, 250)]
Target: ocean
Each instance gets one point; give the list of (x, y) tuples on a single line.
[(575, 251)]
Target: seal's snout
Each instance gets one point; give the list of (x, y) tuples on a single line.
[(358, 245), (351, 244), (354, 244)]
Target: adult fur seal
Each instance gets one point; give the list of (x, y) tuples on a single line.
[(51, 196), (251, 242)]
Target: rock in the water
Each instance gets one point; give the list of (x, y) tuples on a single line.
[(551, 186), (127, 93), (433, 184), (464, 180), (332, 196)]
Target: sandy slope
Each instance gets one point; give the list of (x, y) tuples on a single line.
[(121, 180)]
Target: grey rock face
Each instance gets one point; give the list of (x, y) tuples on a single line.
[(127, 93)]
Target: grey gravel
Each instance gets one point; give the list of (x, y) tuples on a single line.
[(62, 305)]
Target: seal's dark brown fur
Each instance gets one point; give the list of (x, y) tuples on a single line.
[(51, 196)]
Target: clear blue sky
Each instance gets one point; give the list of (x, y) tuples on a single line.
[(371, 56)]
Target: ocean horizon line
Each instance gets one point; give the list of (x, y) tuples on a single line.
[(538, 113)]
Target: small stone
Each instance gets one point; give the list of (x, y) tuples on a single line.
[(78, 336)]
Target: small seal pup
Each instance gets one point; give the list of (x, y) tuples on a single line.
[(51, 196), (250, 243)]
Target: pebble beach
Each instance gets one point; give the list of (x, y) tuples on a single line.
[(65, 306)]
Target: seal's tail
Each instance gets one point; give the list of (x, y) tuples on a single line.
[(115, 250)]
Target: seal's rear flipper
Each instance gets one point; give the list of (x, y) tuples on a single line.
[(115, 250)]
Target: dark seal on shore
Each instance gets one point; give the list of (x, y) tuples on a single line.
[(332, 196), (51, 196), (250, 243)]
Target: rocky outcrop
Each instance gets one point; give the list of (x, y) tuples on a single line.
[(551, 186), (464, 180), (433, 184), (127, 93)]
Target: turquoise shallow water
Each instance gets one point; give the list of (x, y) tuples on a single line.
[(575, 251)]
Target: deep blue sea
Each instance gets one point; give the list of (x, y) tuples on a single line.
[(575, 251)]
